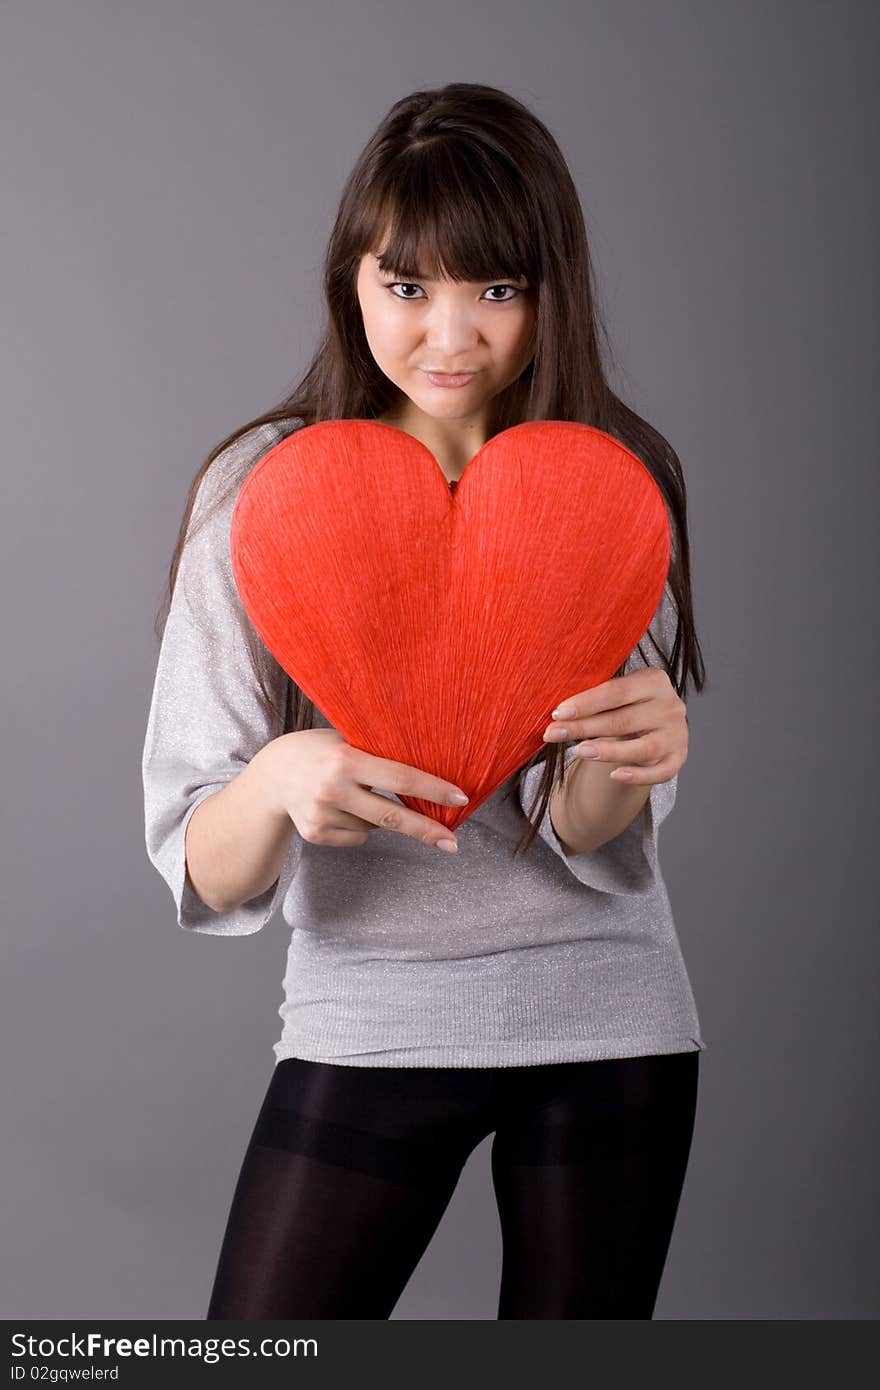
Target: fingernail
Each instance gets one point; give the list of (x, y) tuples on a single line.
[(449, 845), (587, 750), (563, 712), (623, 773), (459, 798)]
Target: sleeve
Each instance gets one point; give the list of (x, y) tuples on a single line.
[(628, 863), (207, 715)]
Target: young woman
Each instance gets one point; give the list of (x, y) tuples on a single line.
[(529, 984)]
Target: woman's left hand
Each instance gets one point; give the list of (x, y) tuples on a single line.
[(636, 721)]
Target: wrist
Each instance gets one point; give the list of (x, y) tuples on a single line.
[(591, 808), (263, 773)]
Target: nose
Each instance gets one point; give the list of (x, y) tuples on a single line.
[(451, 330)]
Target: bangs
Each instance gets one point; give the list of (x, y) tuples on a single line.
[(434, 220)]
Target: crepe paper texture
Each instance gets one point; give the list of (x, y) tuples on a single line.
[(439, 626)]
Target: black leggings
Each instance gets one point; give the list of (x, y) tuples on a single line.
[(349, 1170)]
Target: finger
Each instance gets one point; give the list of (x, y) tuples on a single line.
[(346, 820), (645, 750), (345, 838), (663, 771), (339, 827), (610, 694), (627, 720), (646, 774), (401, 778), (391, 815)]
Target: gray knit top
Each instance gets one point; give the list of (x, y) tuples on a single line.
[(401, 955)]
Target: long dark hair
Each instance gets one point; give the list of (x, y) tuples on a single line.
[(465, 182)]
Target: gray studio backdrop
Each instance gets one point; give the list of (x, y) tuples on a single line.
[(169, 177)]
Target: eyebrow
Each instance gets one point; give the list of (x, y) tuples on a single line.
[(420, 275)]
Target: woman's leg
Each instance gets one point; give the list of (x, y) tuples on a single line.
[(588, 1163), (344, 1181)]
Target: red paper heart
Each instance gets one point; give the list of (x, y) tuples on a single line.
[(436, 627)]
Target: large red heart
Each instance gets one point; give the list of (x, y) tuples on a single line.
[(436, 627)]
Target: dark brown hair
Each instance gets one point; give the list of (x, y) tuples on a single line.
[(465, 182)]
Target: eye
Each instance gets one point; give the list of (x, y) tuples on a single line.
[(410, 285), (515, 288)]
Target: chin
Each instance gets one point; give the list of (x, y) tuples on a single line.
[(445, 403)]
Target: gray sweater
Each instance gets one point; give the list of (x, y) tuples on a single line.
[(401, 955)]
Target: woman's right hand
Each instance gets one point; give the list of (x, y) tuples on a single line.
[(323, 784)]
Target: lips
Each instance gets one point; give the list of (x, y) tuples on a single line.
[(449, 378)]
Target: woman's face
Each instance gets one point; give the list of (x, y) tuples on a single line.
[(412, 326)]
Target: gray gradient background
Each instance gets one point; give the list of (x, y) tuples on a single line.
[(169, 177)]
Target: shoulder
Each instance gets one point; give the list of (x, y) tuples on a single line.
[(205, 570), (224, 476)]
